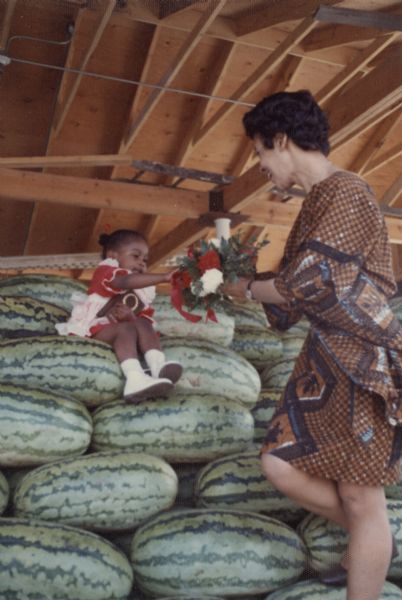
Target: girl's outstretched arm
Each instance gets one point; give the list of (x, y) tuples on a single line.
[(134, 281)]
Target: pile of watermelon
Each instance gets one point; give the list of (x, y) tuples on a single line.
[(101, 500)]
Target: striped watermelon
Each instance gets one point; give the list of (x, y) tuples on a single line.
[(394, 491), (22, 316), (38, 426), (171, 324), (211, 369), (264, 409), (56, 562), (187, 474), (237, 481), (314, 590), (101, 491), (185, 427), (84, 369), (215, 551), (327, 542), (247, 314), (260, 347), (47, 288), (277, 375), (4, 493)]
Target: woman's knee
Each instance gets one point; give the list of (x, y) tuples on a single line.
[(361, 499)]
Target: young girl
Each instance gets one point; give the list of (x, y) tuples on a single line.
[(125, 255)]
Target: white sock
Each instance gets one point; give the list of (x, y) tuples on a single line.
[(131, 364), (155, 360)]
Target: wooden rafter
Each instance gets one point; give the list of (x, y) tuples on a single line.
[(215, 76), (212, 10), (366, 102), (98, 193), (346, 74), (71, 82), (47, 162), (379, 161), (363, 163), (6, 23), (290, 67), (258, 76), (393, 193), (278, 12)]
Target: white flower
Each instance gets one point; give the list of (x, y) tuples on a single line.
[(210, 282)]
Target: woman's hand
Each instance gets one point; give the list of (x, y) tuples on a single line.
[(236, 289)]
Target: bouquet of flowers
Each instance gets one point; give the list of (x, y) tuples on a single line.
[(196, 284)]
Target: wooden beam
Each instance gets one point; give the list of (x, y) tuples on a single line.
[(98, 193), (256, 78), (215, 76), (6, 24), (36, 162), (65, 104), (359, 18), (346, 74), (393, 192), (183, 235), (277, 12), (373, 145), (379, 161), (212, 10), (369, 98)]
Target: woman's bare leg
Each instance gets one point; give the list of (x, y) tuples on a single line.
[(370, 540), (315, 494)]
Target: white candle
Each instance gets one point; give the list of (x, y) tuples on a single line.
[(222, 228)]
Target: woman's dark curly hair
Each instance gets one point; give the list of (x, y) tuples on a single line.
[(118, 238), (296, 114)]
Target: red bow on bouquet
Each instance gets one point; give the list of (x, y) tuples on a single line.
[(180, 281)]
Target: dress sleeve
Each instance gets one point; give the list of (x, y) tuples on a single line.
[(329, 259), (103, 276), (280, 316)]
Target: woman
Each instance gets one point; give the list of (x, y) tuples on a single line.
[(332, 444)]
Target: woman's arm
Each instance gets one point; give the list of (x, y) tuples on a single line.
[(261, 291)]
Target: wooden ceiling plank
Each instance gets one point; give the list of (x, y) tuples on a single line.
[(6, 24), (63, 108), (377, 139), (379, 161), (212, 10), (277, 12), (273, 60), (369, 98), (169, 8), (95, 160), (138, 93), (98, 193), (359, 18), (290, 67), (393, 193), (186, 233), (215, 76), (346, 74)]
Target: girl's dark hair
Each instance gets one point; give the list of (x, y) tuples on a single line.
[(118, 238), (296, 114)]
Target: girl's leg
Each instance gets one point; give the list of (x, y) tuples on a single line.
[(149, 345), (370, 540), (125, 337), (315, 494)]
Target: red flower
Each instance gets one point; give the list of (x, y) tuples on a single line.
[(209, 260)]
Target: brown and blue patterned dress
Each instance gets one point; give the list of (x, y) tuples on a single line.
[(338, 411)]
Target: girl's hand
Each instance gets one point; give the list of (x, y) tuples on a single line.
[(170, 275), (237, 289)]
